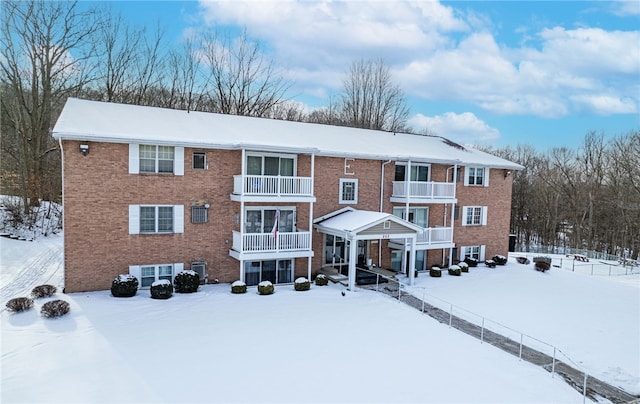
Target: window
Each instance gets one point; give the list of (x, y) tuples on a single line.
[(348, 191), (150, 274), (476, 251), (419, 172), (474, 216), (271, 165), (274, 271), (476, 176), (417, 216), (262, 220), (149, 219), (199, 214), (156, 159), (199, 160)]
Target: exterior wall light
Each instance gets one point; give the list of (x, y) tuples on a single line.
[(84, 149)]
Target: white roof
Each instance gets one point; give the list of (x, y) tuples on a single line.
[(348, 221), (123, 123)]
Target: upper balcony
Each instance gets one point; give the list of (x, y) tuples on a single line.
[(429, 238), (423, 192), (274, 188), (261, 246)]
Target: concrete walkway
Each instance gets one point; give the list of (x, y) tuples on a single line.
[(594, 388)]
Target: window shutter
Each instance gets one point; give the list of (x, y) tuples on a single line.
[(484, 215), (465, 175), (481, 253), (134, 159), (178, 161), (486, 176), (463, 253), (465, 210), (177, 268), (178, 218), (135, 271), (134, 219)]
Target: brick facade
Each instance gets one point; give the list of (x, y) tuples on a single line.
[(98, 190)]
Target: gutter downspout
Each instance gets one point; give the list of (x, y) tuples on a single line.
[(381, 208), (455, 175), (64, 278), (310, 259)]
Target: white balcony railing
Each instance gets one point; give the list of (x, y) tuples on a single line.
[(266, 242), (422, 189), (432, 235), (272, 185)]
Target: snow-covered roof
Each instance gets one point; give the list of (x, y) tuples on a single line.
[(122, 123), (348, 222)]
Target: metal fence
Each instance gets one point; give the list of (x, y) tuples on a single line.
[(524, 346), (595, 266), (542, 249)]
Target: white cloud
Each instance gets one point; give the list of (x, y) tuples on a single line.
[(625, 7), (463, 128), (439, 53)]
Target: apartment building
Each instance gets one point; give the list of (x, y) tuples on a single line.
[(152, 192)]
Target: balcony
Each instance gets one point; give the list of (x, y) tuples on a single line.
[(429, 238), (276, 188), (265, 246), (423, 192)]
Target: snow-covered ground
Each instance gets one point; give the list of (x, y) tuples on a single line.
[(314, 346)]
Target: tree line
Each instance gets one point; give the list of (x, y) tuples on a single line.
[(52, 50), (587, 198)]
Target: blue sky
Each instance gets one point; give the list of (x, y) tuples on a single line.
[(479, 72)]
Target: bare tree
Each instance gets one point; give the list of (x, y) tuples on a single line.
[(370, 99), (38, 72), (241, 80)]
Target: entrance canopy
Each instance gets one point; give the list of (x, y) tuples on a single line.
[(353, 225)]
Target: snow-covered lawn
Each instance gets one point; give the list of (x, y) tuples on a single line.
[(313, 346)]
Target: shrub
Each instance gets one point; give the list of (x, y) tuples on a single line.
[(455, 270), (302, 284), (523, 260), (490, 263), (19, 304), (43, 291), (54, 308), (187, 282), (124, 285), (322, 280), (472, 262), (162, 289), (265, 288), (464, 267), (546, 260), (238, 287), (542, 263), (435, 272), (500, 259)]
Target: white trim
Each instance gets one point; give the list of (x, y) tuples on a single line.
[(178, 219), (177, 268), (134, 158), (355, 192), (134, 219), (135, 271), (178, 160), (486, 176)]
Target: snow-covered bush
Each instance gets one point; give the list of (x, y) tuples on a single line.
[(54, 308), (523, 260), (187, 282), (472, 262), (464, 267), (542, 263), (435, 272), (500, 259), (490, 263), (162, 289), (125, 285), (43, 291), (238, 287), (322, 280), (18, 304), (266, 288), (302, 284), (455, 270)]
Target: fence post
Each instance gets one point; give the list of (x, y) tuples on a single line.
[(482, 332), (584, 388), (424, 292), (399, 290), (553, 364), (591, 269), (377, 281), (573, 267), (609, 269), (521, 337), (450, 315)]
